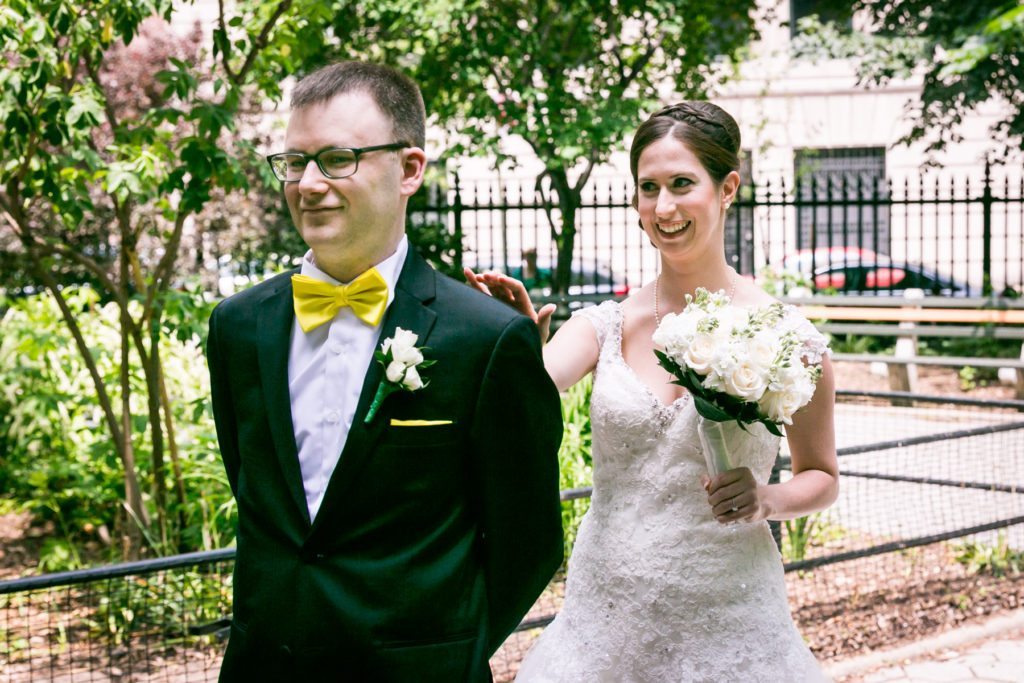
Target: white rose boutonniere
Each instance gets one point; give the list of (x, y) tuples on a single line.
[(403, 361)]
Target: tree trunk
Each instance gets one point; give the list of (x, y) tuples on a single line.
[(565, 238), (132, 491), (153, 380), (172, 451)]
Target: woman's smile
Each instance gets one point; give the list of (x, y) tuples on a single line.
[(673, 227)]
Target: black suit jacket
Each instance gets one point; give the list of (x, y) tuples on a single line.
[(431, 542)]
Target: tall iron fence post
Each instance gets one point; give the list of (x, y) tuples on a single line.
[(986, 233), (457, 210)]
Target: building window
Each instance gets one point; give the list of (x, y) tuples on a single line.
[(739, 221), (839, 13), (842, 198)]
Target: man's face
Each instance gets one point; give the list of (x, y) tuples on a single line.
[(356, 222)]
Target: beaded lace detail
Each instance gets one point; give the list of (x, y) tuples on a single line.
[(658, 590)]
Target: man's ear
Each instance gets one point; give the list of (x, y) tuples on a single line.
[(414, 164)]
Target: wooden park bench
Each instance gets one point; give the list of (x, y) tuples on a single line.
[(910, 317)]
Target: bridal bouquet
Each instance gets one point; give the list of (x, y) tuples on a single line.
[(739, 365)]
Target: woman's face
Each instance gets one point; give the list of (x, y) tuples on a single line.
[(680, 205)]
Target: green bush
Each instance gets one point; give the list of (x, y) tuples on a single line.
[(574, 457), (57, 458), (995, 558)]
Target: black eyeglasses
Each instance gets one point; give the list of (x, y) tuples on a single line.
[(334, 163)]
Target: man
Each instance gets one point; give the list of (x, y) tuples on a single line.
[(401, 542)]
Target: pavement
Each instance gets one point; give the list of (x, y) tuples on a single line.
[(991, 651)]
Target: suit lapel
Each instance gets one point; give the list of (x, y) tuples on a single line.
[(415, 289), (276, 315)]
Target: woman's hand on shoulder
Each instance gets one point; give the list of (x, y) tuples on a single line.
[(735, 496), (512, 292)]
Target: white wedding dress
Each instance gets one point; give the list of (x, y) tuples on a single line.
[(658, 590)]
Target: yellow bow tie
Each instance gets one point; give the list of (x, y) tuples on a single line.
[(317, 302)]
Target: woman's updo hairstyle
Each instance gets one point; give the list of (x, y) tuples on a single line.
[(710, 133)]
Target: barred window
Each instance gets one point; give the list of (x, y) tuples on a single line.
[(839, 13), (842, 198)]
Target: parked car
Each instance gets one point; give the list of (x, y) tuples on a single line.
[(854, 270), (801, 261)]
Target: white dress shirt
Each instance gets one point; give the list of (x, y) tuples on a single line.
[(326, 367)]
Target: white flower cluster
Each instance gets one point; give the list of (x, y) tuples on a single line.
[(756, 356), (404, 357)]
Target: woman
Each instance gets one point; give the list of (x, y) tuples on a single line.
[(675, 576)]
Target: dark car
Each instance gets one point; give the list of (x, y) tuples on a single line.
[(870, 273)]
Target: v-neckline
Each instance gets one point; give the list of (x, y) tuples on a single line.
[(617, 347)]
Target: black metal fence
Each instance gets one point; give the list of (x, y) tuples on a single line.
[(932, 497), (843, 230)]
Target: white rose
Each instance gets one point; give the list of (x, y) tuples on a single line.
[(700, 353), (412, 380), (780, 405), (411, 356), (402, 341), (395, 371), (796, 377), (674, 332), (795, 387), (746, 381), (762, 349)]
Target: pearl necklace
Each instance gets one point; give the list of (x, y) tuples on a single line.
[(657, 283)]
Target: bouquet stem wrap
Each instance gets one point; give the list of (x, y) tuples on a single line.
[(720, 442)]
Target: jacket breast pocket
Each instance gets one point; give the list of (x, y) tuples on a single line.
[(420, 433)]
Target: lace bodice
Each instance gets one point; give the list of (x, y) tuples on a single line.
[(657, 589)]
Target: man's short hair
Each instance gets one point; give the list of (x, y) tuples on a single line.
[(396, 94)]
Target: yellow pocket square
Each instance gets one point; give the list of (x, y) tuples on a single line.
[(419, 423)]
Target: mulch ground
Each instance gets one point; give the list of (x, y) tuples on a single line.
[(896, 599)]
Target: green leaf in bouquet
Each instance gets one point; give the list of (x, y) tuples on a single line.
[(665, 361), (709, 410), (693, 382), (771, 426)]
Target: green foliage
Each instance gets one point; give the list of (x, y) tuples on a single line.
[(166, 604), (117, 132), (856, 343), (804, 533), (968, 376), (65, 468), (428, 229), (574, 457), (571, 78), (997, 559), (970, 55), (779, 283), (978, 347)]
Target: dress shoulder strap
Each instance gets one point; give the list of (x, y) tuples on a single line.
[(603, 317)]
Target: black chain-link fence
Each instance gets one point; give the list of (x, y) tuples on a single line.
[(927, 532)]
